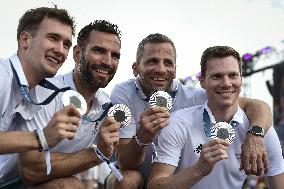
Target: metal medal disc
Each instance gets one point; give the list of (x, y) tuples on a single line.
[(75, 98), (223, 131), (162, 99), (121, 113)]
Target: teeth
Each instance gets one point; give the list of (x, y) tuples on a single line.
[(226, 93), (102, 71), (158, 79), (55, 61)]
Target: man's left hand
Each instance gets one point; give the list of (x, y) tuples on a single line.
[(254, 158)]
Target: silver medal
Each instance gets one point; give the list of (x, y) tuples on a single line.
[(121, 113), (75, 98), (162, 99), (223, 131)]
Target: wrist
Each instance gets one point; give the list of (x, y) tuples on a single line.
[(99, 154), (139, 142), (256, 131)]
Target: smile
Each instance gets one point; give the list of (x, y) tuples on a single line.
[(53, 60)]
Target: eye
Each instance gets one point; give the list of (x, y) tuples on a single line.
[(67, 45), (234, 75), (116, 56), (169, 63)]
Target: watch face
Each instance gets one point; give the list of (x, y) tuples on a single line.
[(257, 129)]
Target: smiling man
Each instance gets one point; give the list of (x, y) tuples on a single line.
[(188, 157), (96, 57), (44, 38), (155, 68)]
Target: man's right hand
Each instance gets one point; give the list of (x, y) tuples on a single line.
[(63, 124), (151, 122), (212, 152), (108, 136)]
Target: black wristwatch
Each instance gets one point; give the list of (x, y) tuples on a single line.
[(256, 130)]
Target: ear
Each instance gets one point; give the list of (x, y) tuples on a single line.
[(202, 82), (76, 54), (25, 39), (135, 69)]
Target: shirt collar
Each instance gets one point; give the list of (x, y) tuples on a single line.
[(19, 69), (238, 116)]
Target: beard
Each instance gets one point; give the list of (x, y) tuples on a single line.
[(88, 80)]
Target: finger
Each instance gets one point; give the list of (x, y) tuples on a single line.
[(112, 128), (67, 134), (217, 141), (71, 127), (71, 110), (155, 109), (253, 167), (259, 166), (265, 163)]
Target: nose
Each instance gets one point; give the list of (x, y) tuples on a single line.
[(60, 50), (161, 68), (227, 81), (107, 58)]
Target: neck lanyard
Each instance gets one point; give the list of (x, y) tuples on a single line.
[(43, 83), (105, 108), (207, 123)]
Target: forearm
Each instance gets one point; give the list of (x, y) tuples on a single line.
[(17, 141), (33, 165), (130, 155), (276, 182), (181, 180), (258, 112)]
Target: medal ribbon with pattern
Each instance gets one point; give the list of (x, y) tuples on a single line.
[(221, 130)]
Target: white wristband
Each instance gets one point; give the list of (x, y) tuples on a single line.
[(110, 164), (45, 148)]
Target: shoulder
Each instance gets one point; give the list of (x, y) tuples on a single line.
[(123, 90), (128, 85), (6, 73), (58, 80), (188, 113)]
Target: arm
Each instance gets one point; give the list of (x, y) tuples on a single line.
[(9, 142), (33, 166), (254, 156), (146, 133), (258, 112), (276, 182), (162, 175)]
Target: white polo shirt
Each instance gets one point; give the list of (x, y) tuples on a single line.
[(179, 146), (14, 110), (131, 94), (9, 167)]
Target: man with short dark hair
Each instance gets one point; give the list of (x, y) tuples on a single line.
[(201, 147), (156, 69), (44, 38), (96, 57)]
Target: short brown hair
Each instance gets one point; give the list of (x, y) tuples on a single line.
[(32, 18), (218, 52)]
